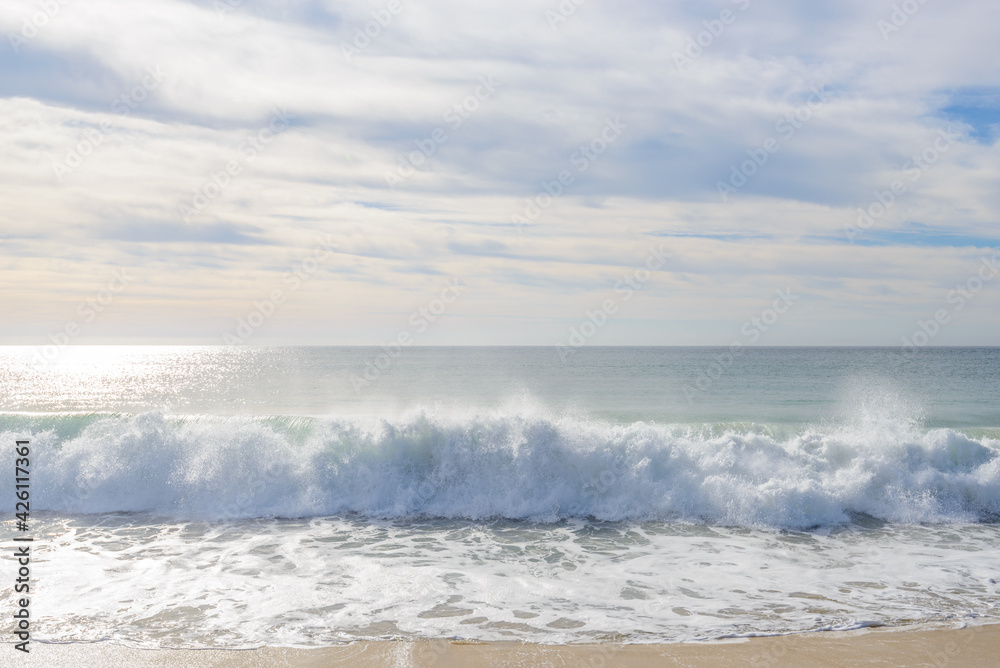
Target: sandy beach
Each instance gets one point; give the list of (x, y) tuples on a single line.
[(970, 647)]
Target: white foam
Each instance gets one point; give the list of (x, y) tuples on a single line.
[(140, 580), (519, 465)]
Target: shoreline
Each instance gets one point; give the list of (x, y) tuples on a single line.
[(931, 646)]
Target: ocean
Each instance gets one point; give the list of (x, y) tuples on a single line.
[(305, 496)]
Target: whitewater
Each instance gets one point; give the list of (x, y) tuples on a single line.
[(506, 466), (239, 497)]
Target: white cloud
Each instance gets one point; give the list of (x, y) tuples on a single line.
[(354, 120)]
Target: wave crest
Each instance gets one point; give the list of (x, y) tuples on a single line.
[(517, 466)]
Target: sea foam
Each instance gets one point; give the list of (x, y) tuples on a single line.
[(515, 465)]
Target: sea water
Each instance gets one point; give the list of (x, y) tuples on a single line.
[(238, 497)]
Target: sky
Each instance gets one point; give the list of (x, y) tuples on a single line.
[(500, 173)]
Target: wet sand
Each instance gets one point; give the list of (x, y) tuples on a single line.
[(970, 647)]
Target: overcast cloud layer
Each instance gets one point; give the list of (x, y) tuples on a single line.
[(742, 138)]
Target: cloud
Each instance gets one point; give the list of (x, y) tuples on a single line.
[(372, 95)]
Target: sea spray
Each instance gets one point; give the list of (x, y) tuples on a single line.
[(509, 465)]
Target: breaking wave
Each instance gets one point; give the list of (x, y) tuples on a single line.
[(515, 465)]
